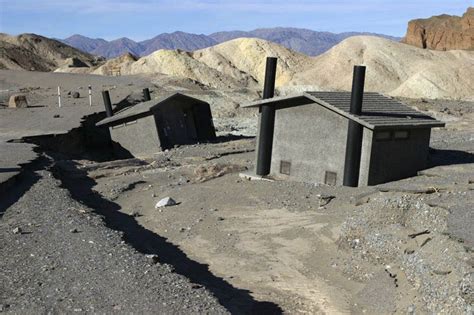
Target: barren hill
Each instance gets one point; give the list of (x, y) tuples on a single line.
[(305, 41), (444, 32), (84, 43), (394, 68), (38, 53), (235, 64)]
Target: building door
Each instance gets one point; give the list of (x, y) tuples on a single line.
[(190, 125)]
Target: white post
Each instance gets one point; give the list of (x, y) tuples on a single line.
[(90, 95), (59, 96)]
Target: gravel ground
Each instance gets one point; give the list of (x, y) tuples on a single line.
[(59, 257)]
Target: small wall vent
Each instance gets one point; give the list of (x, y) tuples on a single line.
[(330, 178), (285, 167)]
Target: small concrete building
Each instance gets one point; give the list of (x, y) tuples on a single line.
[(311, 131), (159, 124)]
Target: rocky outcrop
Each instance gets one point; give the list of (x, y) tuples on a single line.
[(444, 32), (37, 53), (18, 101)]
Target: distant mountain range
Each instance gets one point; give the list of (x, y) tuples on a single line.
[(301, 40)]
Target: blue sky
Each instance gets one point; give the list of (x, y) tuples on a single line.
[(140, 20)]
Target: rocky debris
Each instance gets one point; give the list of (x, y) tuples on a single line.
[(76, 95), (17, 230), (37, 53), (444, 32), (165, 202), (324, 200), (75, 62), (54, 271), (153, 258), (207, 172), (403, 231), (18, 101)]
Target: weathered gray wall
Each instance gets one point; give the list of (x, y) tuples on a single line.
[(365, 157), (139, 137), (313, 139), (395, 159), (176, 128)]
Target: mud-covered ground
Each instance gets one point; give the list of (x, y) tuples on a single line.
[(91, 240), (395, 248)]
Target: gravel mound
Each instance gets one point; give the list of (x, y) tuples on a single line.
[(58, 257)]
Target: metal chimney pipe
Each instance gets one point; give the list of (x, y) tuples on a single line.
[(107, 103), (146, 94), (355, 130), (267, 121)]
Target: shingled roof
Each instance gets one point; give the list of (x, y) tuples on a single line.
[(378, 111), (144, 109)]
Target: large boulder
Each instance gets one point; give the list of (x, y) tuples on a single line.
[(18, 101), (444, 32)]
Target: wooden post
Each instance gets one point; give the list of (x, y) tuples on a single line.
[(59, 96)]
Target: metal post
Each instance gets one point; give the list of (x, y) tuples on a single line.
[(90, 96), (107, 103), (267, 121), (146, 94), (59, 96), (355, 130)]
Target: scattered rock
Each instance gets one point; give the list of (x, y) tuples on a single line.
[(76, 95), (135, 214), (17, 230), (165, 202), (207, 172), (153, 258), (418, 234), (324, 200), (18, 101), (74, 230)]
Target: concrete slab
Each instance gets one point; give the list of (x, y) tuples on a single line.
[(43, 116), (252, 176), (12, 157)]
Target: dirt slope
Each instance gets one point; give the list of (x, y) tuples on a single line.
[(234, 64), (394, 68), (38, 53)]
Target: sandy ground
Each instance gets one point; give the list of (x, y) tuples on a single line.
[(43, 116), (267, 247), (274, 238)]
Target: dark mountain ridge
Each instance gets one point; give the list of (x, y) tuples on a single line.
[(305, 41)]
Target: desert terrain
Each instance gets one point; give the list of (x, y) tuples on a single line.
[(80, 233)]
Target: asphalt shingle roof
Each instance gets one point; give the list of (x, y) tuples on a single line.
[(144, 109), (378, 111)]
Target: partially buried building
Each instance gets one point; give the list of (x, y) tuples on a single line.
[(158, 124), (312, 135)]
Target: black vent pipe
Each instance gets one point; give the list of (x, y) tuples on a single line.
[(107, 103), (146, 94), (267, 121), (355, 130)]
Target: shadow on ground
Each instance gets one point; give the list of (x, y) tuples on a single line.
[(449, 157), (237, 301), (12, 190)]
